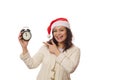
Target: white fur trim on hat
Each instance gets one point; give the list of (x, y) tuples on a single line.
[(61, 23)]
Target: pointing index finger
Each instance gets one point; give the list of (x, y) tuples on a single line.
[(53, 42), (47, 44)]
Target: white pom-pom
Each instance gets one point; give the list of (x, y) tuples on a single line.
[(48, 36)]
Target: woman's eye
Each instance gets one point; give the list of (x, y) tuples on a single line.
[(54, 31), (61, 30)]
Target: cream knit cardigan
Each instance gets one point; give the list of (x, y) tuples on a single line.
[(53, 67)]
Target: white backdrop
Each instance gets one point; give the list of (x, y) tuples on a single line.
[(95, 25)]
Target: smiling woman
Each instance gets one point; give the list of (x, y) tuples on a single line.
[(59, 33), (60, 57)]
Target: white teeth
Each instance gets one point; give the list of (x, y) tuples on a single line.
[(59, 37)]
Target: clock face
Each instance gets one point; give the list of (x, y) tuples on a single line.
[(26, 35)]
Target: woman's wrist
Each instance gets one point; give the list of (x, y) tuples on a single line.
[(57, 52), (25, 50)]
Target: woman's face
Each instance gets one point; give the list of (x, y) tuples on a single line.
[(60, 34)]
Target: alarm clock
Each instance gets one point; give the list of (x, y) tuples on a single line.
[(26, 34)]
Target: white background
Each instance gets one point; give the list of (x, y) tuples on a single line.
[(95, 25)]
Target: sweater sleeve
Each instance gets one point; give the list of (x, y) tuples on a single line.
[(69, 63), (32, 62)]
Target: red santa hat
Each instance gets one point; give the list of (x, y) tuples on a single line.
[(57, 22)]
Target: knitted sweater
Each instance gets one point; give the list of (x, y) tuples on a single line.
[(53, 67)]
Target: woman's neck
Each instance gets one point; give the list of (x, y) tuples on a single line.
[(61, 45)]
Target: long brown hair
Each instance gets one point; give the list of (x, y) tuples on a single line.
[(68, 42)]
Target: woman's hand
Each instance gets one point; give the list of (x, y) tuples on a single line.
[(23, 43), (52, 48)]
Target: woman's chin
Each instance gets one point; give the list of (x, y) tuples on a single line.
[(59, 41)]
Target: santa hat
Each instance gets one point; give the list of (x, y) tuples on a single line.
[(57, 22)]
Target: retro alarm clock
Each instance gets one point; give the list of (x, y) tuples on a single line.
[(26, 34)]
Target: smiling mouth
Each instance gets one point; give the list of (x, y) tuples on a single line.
[(59, 37)]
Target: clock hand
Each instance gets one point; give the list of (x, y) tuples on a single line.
[(26, 34)]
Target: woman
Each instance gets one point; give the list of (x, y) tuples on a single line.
[(59, 56)]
